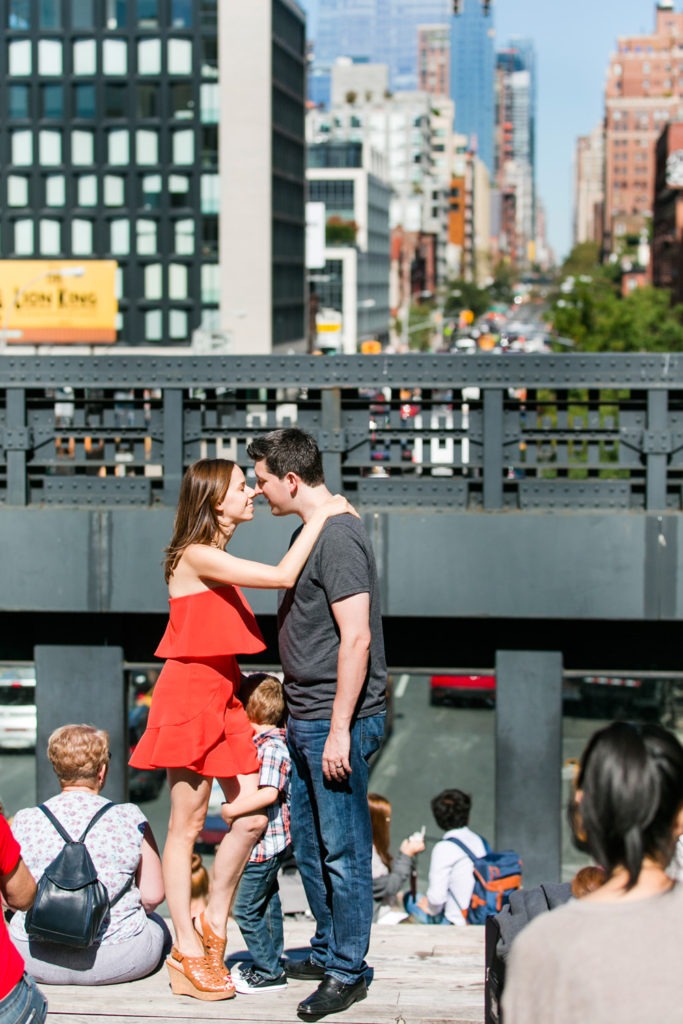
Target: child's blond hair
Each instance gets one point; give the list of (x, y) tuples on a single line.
[(263, 697)]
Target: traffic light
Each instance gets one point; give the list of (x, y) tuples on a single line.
[(457, 6), (486, 7)]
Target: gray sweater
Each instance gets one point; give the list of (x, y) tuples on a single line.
[(591, 962)]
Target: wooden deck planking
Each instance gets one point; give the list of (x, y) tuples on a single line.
[(422, 975)]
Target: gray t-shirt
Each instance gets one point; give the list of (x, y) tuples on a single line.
[(340, 565)]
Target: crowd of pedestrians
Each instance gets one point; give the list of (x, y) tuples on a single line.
[(292, 759)]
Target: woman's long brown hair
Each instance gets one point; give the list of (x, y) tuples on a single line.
[(380, 813), (196, 521)]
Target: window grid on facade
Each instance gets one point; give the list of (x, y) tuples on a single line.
[(118, 137)]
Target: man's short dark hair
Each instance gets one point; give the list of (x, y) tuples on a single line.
[(289, 450), (451, 809)]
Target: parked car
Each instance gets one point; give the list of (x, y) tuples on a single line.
[(18, 708), (603, 696), (609, 696), (452, 689)]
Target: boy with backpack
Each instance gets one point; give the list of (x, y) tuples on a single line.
[(257, 909), (467, 880)]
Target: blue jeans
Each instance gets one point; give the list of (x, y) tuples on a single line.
[(25, 1004), (332, 840), (419, 915), (258, 913)]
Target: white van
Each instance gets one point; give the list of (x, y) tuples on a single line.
[(17, 707)]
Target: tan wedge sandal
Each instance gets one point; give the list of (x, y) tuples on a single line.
[(214, 948), (195, 976)]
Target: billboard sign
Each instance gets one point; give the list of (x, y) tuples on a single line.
[(58, 302), (315, 236)]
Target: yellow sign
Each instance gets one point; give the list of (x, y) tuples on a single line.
[(58, 301)]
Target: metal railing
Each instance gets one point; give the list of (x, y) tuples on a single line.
[(486, 432)]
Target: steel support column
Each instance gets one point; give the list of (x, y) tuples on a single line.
[(493, 448), (16, 445), (330, 439), (657, 448), (173, 444), (529, 760), (81, 684)]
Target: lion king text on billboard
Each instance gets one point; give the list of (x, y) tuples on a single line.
[(66, 302)]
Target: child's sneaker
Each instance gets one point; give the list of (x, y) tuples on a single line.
[(249, 982)]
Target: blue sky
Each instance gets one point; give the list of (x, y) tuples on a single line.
[(574, 39)]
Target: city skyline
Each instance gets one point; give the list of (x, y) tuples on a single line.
[(571, 78)]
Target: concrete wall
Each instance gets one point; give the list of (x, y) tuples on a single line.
[(520, 565)]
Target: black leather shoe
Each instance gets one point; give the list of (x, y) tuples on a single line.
[(332, 996), (304, 970)]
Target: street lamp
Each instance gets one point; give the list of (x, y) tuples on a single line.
[(59, 272)]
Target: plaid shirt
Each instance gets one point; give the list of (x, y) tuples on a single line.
[(275, 771)]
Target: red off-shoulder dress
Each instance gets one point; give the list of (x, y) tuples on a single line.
[(196, 720)]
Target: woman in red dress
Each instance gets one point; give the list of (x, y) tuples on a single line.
[(197, 728)]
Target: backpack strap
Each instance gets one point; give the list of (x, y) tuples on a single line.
[(95, 818), (59, 827), (123, 891), (465, 849), (93, 821), (67, 839)]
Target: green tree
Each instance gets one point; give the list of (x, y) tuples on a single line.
[(589, 308), (502, 288), (466, 295)]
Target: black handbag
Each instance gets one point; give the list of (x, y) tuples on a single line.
[(71, 903)]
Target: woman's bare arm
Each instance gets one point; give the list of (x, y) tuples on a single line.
[(211, 563), (148, 876)]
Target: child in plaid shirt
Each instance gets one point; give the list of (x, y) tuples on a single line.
[(257, 909)]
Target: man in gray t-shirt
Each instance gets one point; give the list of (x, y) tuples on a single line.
[(332, 654)]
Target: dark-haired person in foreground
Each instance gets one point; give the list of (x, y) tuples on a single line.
[(451, 875), (332, 653), (613, 955)]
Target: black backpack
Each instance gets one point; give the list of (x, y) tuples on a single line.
[(71, 903)]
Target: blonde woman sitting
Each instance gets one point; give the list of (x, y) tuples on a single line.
[(125, 855)]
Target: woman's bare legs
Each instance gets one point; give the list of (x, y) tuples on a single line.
[(233, 853), (189, 801)]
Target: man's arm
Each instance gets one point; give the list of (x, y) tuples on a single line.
[(352, 615)]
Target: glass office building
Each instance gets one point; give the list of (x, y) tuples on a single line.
[(109, 149), (376, 31), (472, 76)]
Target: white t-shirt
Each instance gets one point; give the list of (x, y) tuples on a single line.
[(114, 843), (451, 880)]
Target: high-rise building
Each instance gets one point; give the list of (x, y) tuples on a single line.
[(667, 220), (111, 116), (473, 74), (377, 31), (263, 176), (433, 59), (355, 277), (589, 187), (514, 158), (644, 90)]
